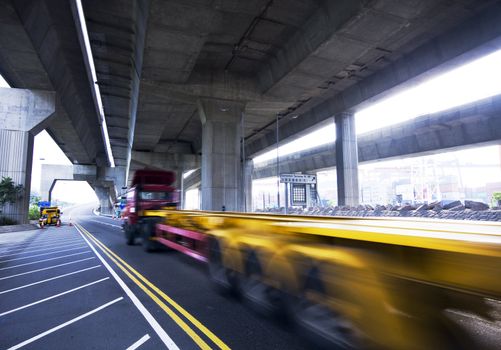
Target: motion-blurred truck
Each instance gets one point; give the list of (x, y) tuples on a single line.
[(151, 190)]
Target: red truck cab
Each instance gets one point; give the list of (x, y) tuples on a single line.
[(150, 190)]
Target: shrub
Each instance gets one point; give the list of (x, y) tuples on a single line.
[(34, 213), (9, 191), (496, 198)]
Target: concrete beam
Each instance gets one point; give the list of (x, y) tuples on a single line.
[(50, 27), (167, 161), (466, 126), (312, 35), (51, 173), (84, 173), (477, 36)]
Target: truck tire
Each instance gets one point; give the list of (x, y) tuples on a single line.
[(262, 298), (130, 234), (225, 281), (325, 327), (148, 232)]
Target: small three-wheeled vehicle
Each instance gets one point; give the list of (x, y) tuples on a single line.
[(49, 216)]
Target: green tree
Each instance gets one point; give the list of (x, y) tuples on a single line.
[(9, 191), (496, 198), (34, 199)]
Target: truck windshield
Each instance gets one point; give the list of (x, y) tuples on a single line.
[(146, 195)]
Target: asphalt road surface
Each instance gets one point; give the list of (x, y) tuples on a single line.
[(82, 287), (61, 289)]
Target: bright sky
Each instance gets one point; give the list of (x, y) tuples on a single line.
[(470, 82), (3, 83), (46, 151)]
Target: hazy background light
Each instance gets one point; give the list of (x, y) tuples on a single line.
[(316, 138), (46, 151), (3, 83), (471, 82), (188, 173)]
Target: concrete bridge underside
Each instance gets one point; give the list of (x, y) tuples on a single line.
[(475, 124), (188, 84)]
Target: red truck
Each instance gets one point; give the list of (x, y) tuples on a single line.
[(151, 190)]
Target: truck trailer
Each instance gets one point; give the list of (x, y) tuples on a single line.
[(349, 283)]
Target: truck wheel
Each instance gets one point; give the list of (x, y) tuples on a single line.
[(225, 280), (129, 235), (324, 326), (148, 232), (261, 297)]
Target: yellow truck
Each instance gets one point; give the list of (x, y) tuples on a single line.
[(49, 216), (352, 283)]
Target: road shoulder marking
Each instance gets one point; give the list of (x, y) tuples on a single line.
[(67, 323), (140, 342), (42, 254), (43, 260), (53, 296), (45, 268), (48, 279)]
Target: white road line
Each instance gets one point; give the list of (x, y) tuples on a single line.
[(34, 256), (22, 251), (105, 223), (52, 330), (140, 342), (49, 279), (54, 240), (52, 297), (36, 238), (43, 260), (45, 268), (38, 244), (169, 343)]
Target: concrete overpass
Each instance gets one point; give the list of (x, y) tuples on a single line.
[(187, 79), (478, 123)]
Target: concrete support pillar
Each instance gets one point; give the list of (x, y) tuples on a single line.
[(23, 114), (247, 185), (178, 184), (220, 154), (346, 159), (103, 195)]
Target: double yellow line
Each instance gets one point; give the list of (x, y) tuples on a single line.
[(142, 282)]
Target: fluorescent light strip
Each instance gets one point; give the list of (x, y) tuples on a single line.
[(97, 93)]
